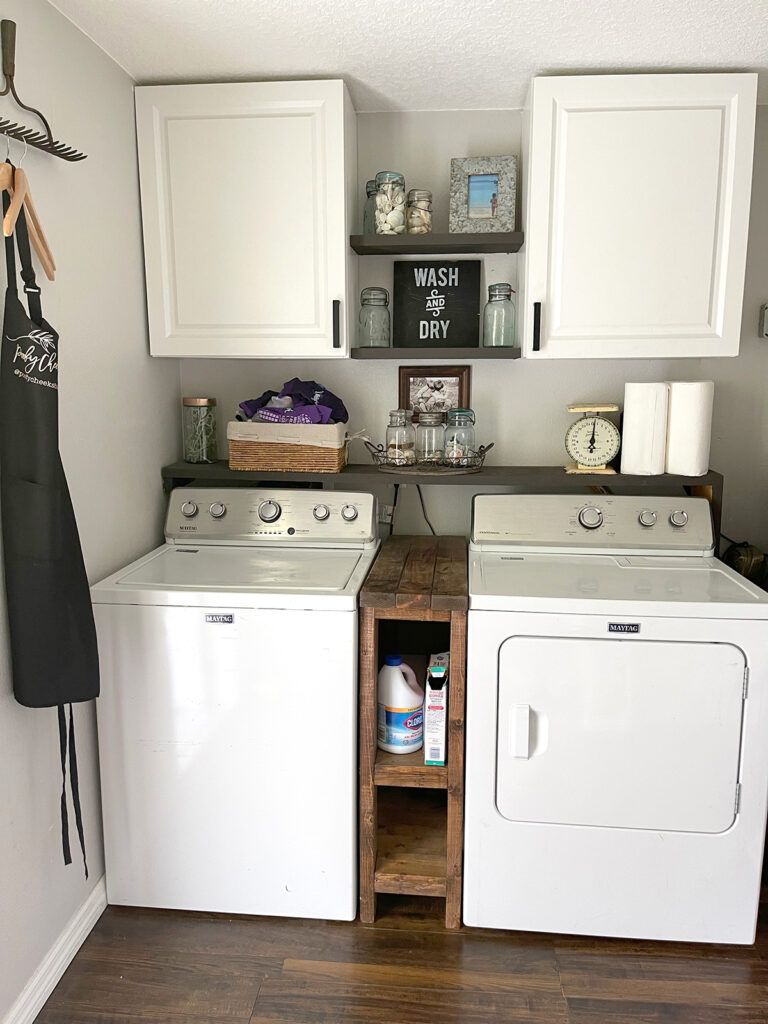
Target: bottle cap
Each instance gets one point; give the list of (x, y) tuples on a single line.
[(393, 659)]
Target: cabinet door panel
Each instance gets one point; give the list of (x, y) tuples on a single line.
[(245, 212), (638, 213), (227, 276)]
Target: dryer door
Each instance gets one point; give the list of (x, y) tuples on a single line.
[(619, 733)]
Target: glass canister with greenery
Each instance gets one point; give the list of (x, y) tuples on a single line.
[(199, 429)]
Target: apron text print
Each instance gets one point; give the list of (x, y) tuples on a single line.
[(39, 356)]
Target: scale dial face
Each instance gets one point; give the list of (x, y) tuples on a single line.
[(593, 441)]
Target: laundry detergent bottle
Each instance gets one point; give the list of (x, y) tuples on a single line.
[(401, 707)]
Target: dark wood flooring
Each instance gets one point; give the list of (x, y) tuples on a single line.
[(159, 967)]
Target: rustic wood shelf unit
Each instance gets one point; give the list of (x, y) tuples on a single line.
[(412, 814)]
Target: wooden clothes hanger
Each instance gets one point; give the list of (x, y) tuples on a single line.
[(15, 182)]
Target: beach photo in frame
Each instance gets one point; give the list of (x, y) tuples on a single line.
[(483, 194), (433, 388)]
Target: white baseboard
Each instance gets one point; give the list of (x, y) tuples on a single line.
[(58, 958)]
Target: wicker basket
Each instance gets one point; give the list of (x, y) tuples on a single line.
[(287, 448)]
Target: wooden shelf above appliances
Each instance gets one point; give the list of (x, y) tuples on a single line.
[(436, 245), (404, 355)]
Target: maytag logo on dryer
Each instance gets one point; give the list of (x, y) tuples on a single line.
[(623, 627), (225, 619)]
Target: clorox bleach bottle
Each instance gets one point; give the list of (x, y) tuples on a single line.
[(401, 707)]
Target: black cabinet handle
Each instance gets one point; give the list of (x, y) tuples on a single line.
[(336, 325), (536, 326)]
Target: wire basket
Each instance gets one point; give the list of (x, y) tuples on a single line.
[(445, 467)]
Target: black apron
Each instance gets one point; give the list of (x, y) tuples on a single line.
[(52, 635)]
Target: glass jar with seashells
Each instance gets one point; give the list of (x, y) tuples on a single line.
[(390, 203)]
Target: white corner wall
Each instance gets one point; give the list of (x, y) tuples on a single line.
[(521, 404), (119, 424)]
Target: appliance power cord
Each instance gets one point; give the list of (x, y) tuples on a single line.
[(424, 510)]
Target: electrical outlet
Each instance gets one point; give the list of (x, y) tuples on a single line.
[(386, 514), (763, 330)]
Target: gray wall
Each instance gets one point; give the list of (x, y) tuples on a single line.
[(119, 423)]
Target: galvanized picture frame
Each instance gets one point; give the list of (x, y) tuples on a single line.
[(483, 194)]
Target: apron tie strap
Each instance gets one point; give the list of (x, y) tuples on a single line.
[(74, 786), (64, 816)]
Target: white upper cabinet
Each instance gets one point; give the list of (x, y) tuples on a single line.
[(637, 209), (247, 217)]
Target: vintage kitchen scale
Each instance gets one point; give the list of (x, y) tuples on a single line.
[(592, 441)]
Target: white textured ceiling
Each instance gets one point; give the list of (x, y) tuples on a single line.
[(425, 55)]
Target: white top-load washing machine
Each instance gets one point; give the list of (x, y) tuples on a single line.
[(617, 722), (228, 716)]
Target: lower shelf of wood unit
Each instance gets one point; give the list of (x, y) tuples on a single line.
[(408, 770), (412, 842)]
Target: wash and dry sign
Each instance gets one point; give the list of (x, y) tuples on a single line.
[(436, 303)]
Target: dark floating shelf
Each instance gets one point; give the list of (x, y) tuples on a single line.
[(466, 352), (437, 245), (361, 476)]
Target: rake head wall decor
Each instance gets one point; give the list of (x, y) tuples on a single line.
[(40, 140)]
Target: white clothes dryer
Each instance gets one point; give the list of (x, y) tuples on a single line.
[(617, 722), (228, 715)]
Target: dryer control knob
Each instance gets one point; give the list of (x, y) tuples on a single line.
[(269, 511), (678, 518), (590, 517), (218, 509), (349, 513), (647, 518), (321, 513), (189, 509)]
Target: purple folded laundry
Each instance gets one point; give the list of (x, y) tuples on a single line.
[(309, 392), (299, 414), (251, 406)]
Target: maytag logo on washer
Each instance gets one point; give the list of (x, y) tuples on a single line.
[(623, 627), (227, 619)]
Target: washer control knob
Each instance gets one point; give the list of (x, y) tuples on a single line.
[(321, 513), (218, 509), (678, 518), (647, 518), (590, 517), (269, 511), (189, 509), (349, 513)]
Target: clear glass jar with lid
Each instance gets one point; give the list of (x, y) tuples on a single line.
[(373, 322), (198, 424), (401, 439), (460, 438), (390, 203), (418, 216), (499, 317), (369, 208), (430, 438)]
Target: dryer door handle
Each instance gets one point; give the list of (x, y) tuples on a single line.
[(520, 730)]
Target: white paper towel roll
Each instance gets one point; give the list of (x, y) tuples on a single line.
[(644, 429), (689, 426)]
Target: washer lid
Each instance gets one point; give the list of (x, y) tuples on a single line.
[(554, 582), (252, 569)]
